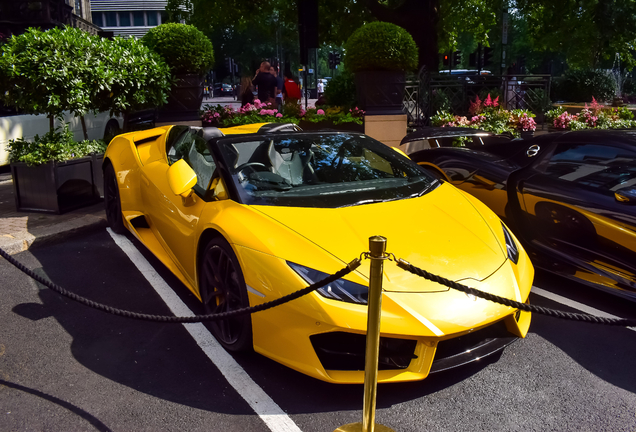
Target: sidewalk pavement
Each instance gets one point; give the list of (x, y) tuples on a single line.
[(18, 230)]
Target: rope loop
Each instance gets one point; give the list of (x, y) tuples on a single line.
[(405, 265)]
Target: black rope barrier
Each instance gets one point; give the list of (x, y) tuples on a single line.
[(173, 319), (405, 265)]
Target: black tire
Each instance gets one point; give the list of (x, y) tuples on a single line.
[(223, 289), (111, 131), (112, 203)]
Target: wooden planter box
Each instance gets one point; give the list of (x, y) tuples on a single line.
[(57, 187), (328, 125)]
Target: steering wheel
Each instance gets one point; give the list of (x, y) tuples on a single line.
[(250, 165)]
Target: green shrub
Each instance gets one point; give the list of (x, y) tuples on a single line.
[(53, 146), (71, 70), (183, 47), (341, 91), (580, 85), (380, 46)]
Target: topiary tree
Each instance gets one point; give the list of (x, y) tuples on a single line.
[(183, 47), (380, 46), (48, 72), (132, 77), (70, 70)]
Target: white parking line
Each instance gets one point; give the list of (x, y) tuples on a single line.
[(273, 416), (574, 304)]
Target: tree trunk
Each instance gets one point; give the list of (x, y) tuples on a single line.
[(84, 127), (51, 123), (420, 18)]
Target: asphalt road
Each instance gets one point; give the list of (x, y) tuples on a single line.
[(66, 367)]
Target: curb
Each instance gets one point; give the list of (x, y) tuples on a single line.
[(20, 242)]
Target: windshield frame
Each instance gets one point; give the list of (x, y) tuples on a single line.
[(238, 194)]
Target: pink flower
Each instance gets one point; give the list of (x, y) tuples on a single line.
[(495, 103), (475, 107), (488, 101), (279, 115), (263, 112), (302, 112), (320, 112), (257, 101)]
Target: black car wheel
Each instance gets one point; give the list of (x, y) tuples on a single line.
[(111, 131), (223, 289), (112, 201)]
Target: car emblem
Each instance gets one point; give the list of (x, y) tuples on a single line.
[(533, 150)]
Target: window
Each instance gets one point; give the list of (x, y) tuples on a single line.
[(184, 143), (111, 19), (152, 18), (597, 166), (327, 171), (164, 17), (124, 19), (138, 19), (97, 19)]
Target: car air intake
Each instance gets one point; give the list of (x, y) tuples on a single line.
[(345, 351)]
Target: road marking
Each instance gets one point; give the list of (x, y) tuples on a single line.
[(273, 416), (574, 304)]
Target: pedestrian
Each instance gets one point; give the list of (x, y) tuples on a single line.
[(290, 87), (279, 89), (321, 88), (265, 83), (247, 96)]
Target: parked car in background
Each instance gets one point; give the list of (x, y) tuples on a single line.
[(221, 89), (434, 137), (569, 197), (27, 126)]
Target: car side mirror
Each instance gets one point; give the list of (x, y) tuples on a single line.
[(626, 195), (181, 178)]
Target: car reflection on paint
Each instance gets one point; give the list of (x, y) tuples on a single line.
[(569, 197)]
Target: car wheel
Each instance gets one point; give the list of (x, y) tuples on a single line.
[(223, 289), (112, 202), (111, 131)]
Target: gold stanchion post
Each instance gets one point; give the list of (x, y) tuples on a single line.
[(377, 248)]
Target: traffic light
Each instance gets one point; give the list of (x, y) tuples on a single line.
[(472, 60), (229, 64), (332, 60), (488, 53), (336, 58), (457, 58), (446, 60)]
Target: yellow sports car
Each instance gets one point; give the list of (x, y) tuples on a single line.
[(249, 214)]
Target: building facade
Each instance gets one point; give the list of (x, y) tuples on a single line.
[(128, 17), (17, 16)]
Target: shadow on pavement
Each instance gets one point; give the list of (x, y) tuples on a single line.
[(95, 422)]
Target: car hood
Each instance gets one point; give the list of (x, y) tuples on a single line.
[(441, 232)]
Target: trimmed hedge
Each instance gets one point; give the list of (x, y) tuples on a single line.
[(580, 85), (341, 91), (380, 46), (183, 47)]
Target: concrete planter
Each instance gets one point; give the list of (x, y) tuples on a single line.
[(57, 187), (380, 92), (184, 100)]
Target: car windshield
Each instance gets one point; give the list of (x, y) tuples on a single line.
[(320, 170)]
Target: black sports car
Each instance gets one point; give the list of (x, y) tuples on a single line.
[(570, 197), (433, 137)]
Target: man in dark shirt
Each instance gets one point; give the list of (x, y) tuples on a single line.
[(266, 84)]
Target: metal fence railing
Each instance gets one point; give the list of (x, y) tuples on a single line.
[(426, 94)]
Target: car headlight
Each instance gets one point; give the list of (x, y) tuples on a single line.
[(511, 246), (341, 289)]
